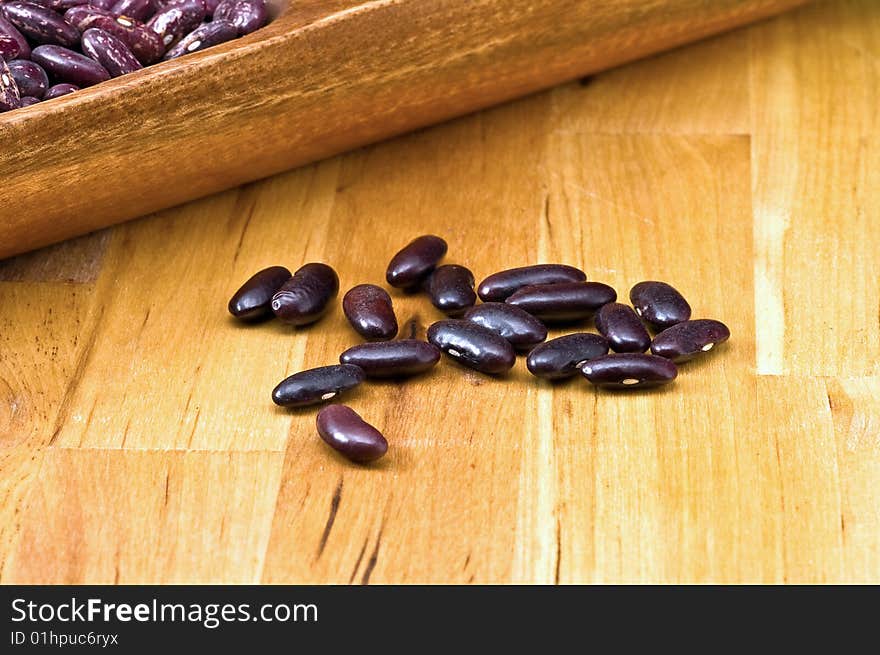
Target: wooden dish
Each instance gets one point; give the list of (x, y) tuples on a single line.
[(323, 77)]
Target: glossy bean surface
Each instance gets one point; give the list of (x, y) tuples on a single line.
[(317, 385), (623, 328), (370, 312), (13, 44), (688, 339), (499, 286), (451, 288), (27, 101), (253, 300), (146, 45), (204, 36), (41, 24), (409, 267), (473, 345), (629, 371), (346, 432), (174, 21), (109, 51), (392, 359), (659, 304), (65, 64), (520, 328), (564, 301), (59, 5), (247, 15), (60, 90), (559, 358), (10, 97), (30, 77), (138, 9), (305, 297)]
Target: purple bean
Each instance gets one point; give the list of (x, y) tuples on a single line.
[(177, 19), (146, 45), (451, 288), (370, 312), (138, 9), (659, 304), (210, 6), (520, 328), (392, 359), (30, 77), (102, 4), (204, 36), (499, 286), (473, 345), (629, 371), (60, 90), (564, 301), (317, 385), (13, 45), (688, 339), (41, 23), (247, 15), (411, 265), (253, 300), (70, 66), (10, 98), (109, 51), (346, 432), (622, 327), (560, 358), (305, 297), (59, 5), (27, 101)]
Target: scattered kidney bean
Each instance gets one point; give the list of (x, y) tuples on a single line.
[(563, 301), (559, 358), (305, 297), (40, 23), (451, 288), (629, 371), (138, 9), (621, 326), (70, 66), (688, 339), (247, 15), (415, 261), (204, 36), (317, 385), (10, 98), (13, 45), (253, 300), (473, 345), (60, 90), (109, 51), (659, 304), (499, 286), (346, 432), (392, 359), (370, 312), (520, 328), (30, 78), (174, 21)]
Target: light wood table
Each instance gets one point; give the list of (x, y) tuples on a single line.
[(139, 443)]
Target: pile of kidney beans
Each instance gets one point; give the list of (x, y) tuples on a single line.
[(49, 48), (517, 306)]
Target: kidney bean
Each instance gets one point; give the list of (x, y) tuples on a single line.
[(451, 288), (370, 312), (30, 78), (629, 371), (10, 98), (520, 328), (560, 358), (253, 300), (204, 36), (393, 359), (499, 286), (41, 23), (144, 43), (13, 45), (317, 385), (138, 9), (346, 432), (82, 16), (305, 297), (109, 51), (60, 90), (247, 15), (688, 339), (174, 21), (70, 66), (102, 4), (27, 101), (623, 329), (59, 5), (659, 304), (473, 345), (563, 301), (411, 265)]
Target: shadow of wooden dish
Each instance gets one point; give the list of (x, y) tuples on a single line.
[(324, 77)]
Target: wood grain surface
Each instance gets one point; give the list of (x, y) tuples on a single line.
[(325, 76), (139, 443)]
